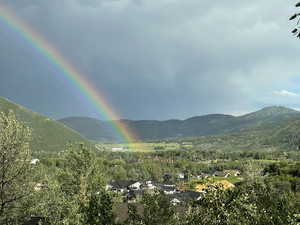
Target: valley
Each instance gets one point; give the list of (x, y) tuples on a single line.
[(234, 155)]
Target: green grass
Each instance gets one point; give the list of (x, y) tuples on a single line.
[(140, 147), (231, 179)]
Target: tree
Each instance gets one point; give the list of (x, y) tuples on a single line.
[(14, 166), (157, 209), (296, 30), (99, 210), (75, 192), (251, 203)]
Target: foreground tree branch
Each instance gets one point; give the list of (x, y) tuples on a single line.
[(14, 165), (296, 16)]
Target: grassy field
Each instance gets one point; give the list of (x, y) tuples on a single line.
[(139, 147)]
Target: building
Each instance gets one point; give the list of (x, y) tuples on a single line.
[(34, 161), (135, 186), (175, 201), (121, 186), (117, 148), (180, 176)]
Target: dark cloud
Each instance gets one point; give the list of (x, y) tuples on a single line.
[(154, 59)]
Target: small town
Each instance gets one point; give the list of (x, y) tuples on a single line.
[(132, 191)]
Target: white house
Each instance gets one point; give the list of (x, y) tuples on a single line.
[(135, 186), (39, 186), (108, 187), (34, 161), (170, 192), (180, 176), (117, 148), (175, 201)]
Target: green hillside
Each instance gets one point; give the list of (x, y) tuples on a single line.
[(47, 134), (284, 135)]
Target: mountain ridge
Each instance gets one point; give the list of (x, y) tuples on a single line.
[(204, 125)]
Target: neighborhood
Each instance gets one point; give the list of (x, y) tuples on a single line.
[(132, 190)]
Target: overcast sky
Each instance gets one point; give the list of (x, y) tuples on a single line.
[(155, 59)]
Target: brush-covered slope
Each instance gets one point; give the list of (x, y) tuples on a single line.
[(196, 126), (268, 115), (47, 134), (92, 129), (284, 136)]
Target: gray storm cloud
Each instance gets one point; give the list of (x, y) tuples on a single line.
[(155, 59)]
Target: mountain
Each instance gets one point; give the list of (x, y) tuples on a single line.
[(271, 112), (268, 115), (91, 128), (47, 134), (196, 126), (283, 135)]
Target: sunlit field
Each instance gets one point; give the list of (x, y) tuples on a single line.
[(139, 147)]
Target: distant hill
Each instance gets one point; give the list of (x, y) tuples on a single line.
[(283, 136), (47, 134), (92, 129), (212, 124)]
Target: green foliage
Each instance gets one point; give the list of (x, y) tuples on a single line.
[(133, 217), (99, 210), (74, 193), (157, 210), (273, 169), (252, 203), (14, 167), (80, 171)]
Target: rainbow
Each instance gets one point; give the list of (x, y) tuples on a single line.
[(78, 79)]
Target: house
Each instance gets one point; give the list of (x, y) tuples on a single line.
[(135, 186), (117, 148), (108, 187), (132, 196), (168, 188), (187, 143), (186, 196), (204, 175), (168, 184), (180, 176), (34, 161), (39, 186), (219, 174), (121, 186), (175, 201), (149, 185), (34, 220), (227, 174), (233, 172)]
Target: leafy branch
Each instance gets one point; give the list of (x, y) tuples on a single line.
[(296, 30)]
